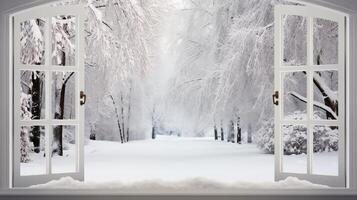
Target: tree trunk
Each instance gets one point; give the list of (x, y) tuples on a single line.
[(58, 130), (222, 133), (129, 110), (249, 140), (57, 136), (239, 135), (153, 134), (215, 132), (327, 100), (239, 130), (122, 116), (118, 119), (92, 136), (36, 92), (230, 137), (153, 122)]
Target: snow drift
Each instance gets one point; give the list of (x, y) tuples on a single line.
[(183, 185)]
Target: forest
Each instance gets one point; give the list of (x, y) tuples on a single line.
[(189, 68)]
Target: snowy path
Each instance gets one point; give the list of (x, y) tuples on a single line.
[(173, 159)]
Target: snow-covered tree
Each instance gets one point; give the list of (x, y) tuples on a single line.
[(63, 104), (32, 101), (197, 61), (124, 32), (223, 58), (25, 101), (25, 148), (325, 138), (264, 137), (63, 43), (32, 42), (294, 139)]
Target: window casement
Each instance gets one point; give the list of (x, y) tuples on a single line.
[(48, 71), (298, 62)]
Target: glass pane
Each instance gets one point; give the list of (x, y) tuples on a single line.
[(326, 95), (32, 150), (64, 149), (294, 95), (63, 95), (32, 97), (294, 148), (32, 42), (325, 157), (325, 42), (63, 40), (294, 34)]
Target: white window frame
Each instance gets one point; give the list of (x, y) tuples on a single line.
[(78, 68), (309, 13), (351, 113)]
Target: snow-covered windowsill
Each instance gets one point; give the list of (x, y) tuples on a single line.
[(197, 186)]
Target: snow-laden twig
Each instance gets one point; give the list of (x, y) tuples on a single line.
[(321, 84), (316, 103)]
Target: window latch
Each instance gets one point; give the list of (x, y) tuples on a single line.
[(275, 98), (83, 98)]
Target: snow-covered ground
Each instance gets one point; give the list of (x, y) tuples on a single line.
[(60, 164), (174, 158), (170, 159), (177, 164)]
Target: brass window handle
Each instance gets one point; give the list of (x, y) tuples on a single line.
[(275, 98), (83, 98)]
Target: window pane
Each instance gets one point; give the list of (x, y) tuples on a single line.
[(325, 42), (64, 149), (63, 95), (32, 97), (326, 95), (294, 95), (294, 148), (63, 40), (325, 157), (294, 34), (32, 150), (32, 42)]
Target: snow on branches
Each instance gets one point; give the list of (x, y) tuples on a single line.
[(63, 43), (32, 41), (295, 137), (25, 148)]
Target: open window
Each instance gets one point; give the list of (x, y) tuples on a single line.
[(310, 88), (48, 83), (309, 79)]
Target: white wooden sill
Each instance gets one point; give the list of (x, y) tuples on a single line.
[(243, 192)]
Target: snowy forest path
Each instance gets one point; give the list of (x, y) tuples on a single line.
[(172, 158)]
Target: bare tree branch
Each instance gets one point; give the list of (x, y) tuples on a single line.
[(118, 121), (107, 25), (190, 81), (317, 104)]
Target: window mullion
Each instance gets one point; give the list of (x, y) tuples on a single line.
[(310, 96), (48, 96)]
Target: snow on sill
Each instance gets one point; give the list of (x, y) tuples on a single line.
[(183, 185)]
